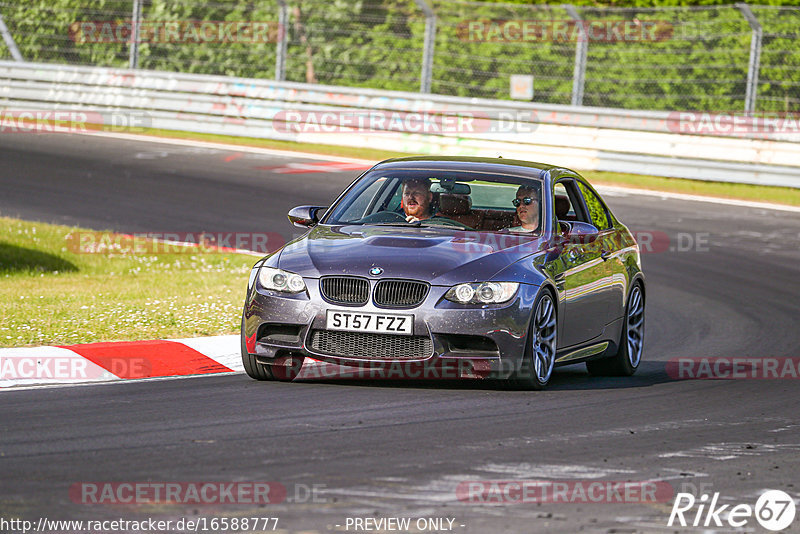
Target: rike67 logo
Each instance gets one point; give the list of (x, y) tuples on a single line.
[(774, 510)]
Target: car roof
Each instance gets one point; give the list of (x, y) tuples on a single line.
[(452, 163)]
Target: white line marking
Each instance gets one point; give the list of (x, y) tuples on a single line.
[(121, 381), (696, 198)]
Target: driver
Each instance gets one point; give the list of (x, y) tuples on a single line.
[(417, 199), (527, 203)]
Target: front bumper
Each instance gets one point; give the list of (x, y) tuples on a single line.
[(473, 340)]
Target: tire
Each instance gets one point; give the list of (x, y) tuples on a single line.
[(540, 347), (631, 342), (253, 369)]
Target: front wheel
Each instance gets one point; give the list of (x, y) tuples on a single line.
[(285, 369), (540, 348), (631, 343), (253, 369)]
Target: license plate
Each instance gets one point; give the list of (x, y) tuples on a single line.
[(376, 323)]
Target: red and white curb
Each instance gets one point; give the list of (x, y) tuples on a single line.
[(127, 360), (92, 363)]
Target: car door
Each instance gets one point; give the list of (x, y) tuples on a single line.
[(584, 278), (608, 241)]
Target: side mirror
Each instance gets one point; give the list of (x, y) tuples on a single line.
[(581, 232), (306, 216)]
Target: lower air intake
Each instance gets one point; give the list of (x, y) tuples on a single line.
[(371, 346)]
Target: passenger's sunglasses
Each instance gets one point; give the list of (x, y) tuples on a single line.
[(527, 201)]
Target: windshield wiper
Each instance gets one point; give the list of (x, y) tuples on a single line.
[(449, 224)]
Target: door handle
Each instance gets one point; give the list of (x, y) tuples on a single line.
[(605, 254)]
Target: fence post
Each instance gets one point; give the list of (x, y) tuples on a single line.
[(283, 37), (581, 49), (136, 19), (755, 58), (9, 40), (427, 47)]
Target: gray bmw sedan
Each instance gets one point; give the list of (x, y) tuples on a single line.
[(437, 267)]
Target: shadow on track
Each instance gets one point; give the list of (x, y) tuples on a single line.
[(15, 259), (564, 379)]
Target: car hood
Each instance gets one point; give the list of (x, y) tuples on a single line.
[(442, 257)]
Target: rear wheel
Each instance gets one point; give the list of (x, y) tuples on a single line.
[(631, 343), (540, 348)]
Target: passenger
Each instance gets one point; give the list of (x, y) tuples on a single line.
[(417, 199), (528, 207)]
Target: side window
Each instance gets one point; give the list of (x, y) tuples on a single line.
[(393, 203), (597, 211), (362, 203), (567, 201), (563, 206)]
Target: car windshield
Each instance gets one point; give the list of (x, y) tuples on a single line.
[(451, 199)]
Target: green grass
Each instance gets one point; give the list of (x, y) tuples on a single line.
[(53, 294), (759, 193)]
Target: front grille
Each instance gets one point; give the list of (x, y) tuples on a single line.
[(345, 289), (371, 346), (400, 293)]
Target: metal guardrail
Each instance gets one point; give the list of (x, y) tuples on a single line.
[(580, 137)]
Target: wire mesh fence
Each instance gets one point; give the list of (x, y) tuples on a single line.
[(699, 58), (779, 73), (700, 62), (479, 46)]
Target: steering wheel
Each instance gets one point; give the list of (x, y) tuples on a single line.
[(383, 216), (446, 221)]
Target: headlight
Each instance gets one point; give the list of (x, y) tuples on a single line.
[(253, 273), (278, 280), (482, 292)]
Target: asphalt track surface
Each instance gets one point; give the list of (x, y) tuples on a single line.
[(396, 449)]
